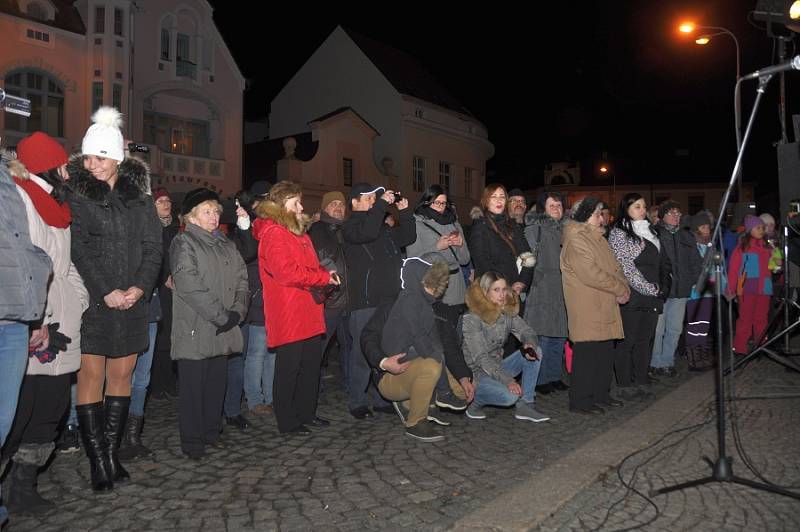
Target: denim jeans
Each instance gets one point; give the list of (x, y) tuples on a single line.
[(259, 366), (13, 362), (336, 324), (72, 419), (235, 387), (494, 392), (360, 387), (668, 332), (552, 359), (141, 375)]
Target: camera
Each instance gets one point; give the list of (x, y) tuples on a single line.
[(530, 353), (397, 196), (134, 147)]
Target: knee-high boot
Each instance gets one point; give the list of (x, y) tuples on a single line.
[(92, 426), (116, 414)]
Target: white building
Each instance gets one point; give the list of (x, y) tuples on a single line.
[(178, 88), (425, 135)]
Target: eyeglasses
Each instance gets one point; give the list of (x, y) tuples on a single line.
[(517, 202), (673, 212), (439, 203)]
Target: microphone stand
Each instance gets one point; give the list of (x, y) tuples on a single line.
[(722, 470)]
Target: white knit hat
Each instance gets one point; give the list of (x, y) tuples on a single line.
[(103, 138)]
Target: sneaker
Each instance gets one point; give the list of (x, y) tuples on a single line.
[(388, 409), (70, 440), (436, 417), (401, 410), (240, 422), (475, 411), (425, 431), (526, 412), (450, 400)]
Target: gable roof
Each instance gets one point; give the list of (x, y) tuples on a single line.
[(406, 74), (340, 111), (67, 16)]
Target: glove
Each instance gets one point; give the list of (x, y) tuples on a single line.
[(58, 342), (233, 321)]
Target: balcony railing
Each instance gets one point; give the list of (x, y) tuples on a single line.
[(185, 69), (167, 168)]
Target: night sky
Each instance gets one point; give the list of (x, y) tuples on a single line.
[(559, 83)]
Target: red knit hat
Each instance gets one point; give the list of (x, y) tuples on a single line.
[(40, 152), (160, 193)]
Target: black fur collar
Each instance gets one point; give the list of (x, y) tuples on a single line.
[(133, 182)]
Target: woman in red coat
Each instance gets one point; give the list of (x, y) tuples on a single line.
[(289, 271)]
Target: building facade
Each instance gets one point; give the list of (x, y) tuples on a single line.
[(179, 89)]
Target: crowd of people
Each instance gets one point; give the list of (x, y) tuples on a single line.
[(111, 293)]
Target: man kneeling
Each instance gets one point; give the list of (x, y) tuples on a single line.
[(403, 345)]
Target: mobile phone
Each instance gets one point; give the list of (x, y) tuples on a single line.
[(236, 201), (335, 277), (454, 233)]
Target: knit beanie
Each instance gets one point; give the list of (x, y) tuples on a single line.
[(104, 138), (160, 193), (40, 152), (751, 221), (766, 217), (667, 206), (701, 218), (328, 197)]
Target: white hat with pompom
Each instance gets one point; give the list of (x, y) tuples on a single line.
[(104, 138)]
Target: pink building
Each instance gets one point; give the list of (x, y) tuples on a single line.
[(179, 89)]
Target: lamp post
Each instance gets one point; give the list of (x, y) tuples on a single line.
[(690, 27), (604, 169)]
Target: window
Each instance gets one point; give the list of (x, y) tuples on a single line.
[(37, 35), (418, 174), (183, 56), (117, 96), (177, 135), (347, 171), (444, 175), (46, 94), (119, 18), (696, 203), (468, 182), (165, 44), (97, 95), (99, 19)]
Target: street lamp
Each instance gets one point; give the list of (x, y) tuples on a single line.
[(691, 27), (605, 170)]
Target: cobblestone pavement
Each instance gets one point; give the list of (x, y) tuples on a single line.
[(769, 434), (368, 475)]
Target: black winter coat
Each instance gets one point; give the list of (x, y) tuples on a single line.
[(654, 266), (247, 245), (373, 252), (491, 253), (326, 234), (685, 260), (116, 244)]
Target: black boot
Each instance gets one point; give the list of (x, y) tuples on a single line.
[(91, 424), (132, 446), (116, 414), (23, 497)]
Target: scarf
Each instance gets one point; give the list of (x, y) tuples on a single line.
[(444, 218), (325, 217), (52, 213), (642, 229), (166, 221)]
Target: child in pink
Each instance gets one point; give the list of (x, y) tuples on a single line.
[(751, 260)]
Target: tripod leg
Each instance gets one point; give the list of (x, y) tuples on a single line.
[(683, 485), (765, 487)]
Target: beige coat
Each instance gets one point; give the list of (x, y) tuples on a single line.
[(592, 280), (67, 297)]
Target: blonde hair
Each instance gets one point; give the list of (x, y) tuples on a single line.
[(284, 190), (196, 210)]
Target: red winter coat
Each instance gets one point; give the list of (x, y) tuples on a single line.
[(288, 266)]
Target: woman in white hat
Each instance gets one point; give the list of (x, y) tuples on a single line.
[(116, 247)]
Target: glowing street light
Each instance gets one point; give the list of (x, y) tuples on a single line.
[(686, 27), (794, 10), (604, 169), (702, 40)]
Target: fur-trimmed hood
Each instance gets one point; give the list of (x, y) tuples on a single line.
[(133, 182), (269, 210), (479, 304), (476, 213), (15, 166)]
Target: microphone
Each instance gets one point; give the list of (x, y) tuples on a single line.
[(794, 64)]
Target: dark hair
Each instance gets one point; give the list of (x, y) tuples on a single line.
[(429, 196), (507, 232), (624, 221), (584, 209), (542, 199), (54, 179)]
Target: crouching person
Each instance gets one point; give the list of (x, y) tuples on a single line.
[(493, 316), (402, 344), (209, 300)]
